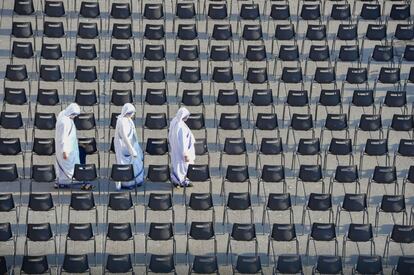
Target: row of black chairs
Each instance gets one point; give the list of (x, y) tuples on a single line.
[(286, 264)]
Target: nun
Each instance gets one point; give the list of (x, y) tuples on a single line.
[(127, 149), (67, 148), (181, 142)]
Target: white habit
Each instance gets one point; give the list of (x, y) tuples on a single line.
[(66, 141), (181, 142), (127, 149)]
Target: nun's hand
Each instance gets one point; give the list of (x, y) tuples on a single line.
[(65, 156), (186, 158)]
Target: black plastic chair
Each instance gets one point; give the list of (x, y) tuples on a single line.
[(291, 75), (296, 99), (201, 232), (221, 76), (300, 122), (283, 233), (238, 202), (118, 264), (327, 264), (236, 174), (121, 202), (35, 264), (80, 233), (12, 147), (202, 202), (75, 264), (15, 74), (401, 124), (288, 264), (204, 265), (161, 233), (7, 205), (269, 147), (376, 148), (48, 97), (120, 233), (229, 122), (277, 202), (329, 98), (345, 175), (395, 99), (394, 204), (248, 265), (384, 175), (244, 233), (83, 202), (39, 233), (307, 147), (159, 202), (309, 173), (260, 98), (10, 175), (359, 233), (319, 202), (322, 232), (158, 173), (404, 265), (251, 32), (352, 203), (6, 236), (161, 264), (339, 147), (368, 265)]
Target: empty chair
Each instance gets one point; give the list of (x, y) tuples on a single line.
[(361, 99), (339, 147), (199, 173), (201, 231), (204, 264), (230, 122), (318, 202), (10, 147), (370, 124), (300, 122), (260, 99), (158, 173), (270, 147), (296, 99), (242, 233), (283, 233), (39, 233), (161, 264), (75, 264), (389, 75), (394, 204), (291, 75), (54, 31), (352, 203), (16, 74), (7, 206), (51, 74), (265, 123), (252, 33), (368, 265), (356, 76), (118, 264), (375, 148), (327, 264), (200, 203), (234, 146), (83, 202), (383, 175), (404, 265), (159, 203), (288, 264), (236, 174), (154, 123), (221, 76), (275, 203), (358, 233), (90, 32), (255, 76), (10, 175), (6, 236), (79, 233), (238, 202), (309, 173), (322, 232), (395, 99), (329, 98), (400, 234), (38, 264), (123, 53), (401, 123), (248, 264), (161, 233), (346, 175), (120, 233), (307, 147)]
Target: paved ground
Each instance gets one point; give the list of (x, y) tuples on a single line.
[(386, 220)]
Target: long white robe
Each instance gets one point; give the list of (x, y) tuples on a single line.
[(181, 142), (127, 146), (66, 141)]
